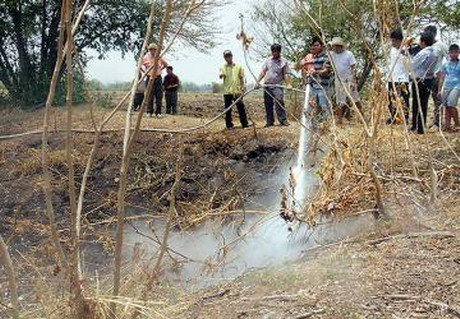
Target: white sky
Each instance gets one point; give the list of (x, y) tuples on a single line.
[(190, 66)]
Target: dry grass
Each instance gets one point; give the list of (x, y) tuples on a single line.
[(323, 285)]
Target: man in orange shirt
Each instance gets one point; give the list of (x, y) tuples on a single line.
[(157, 92)]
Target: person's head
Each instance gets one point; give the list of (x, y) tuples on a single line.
[(431, 28), (317, 45), (228, 56), (426, 39), (396, 37), (169, 70), (276, 50), (453, 51), (338, 45), (153, 48)]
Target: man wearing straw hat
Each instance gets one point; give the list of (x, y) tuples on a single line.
[(157, 92), (344, 64)]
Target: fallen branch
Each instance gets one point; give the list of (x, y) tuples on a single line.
[(217, 295), (434, 234), (453, 310), (310, 314), (273, 297), (438, 234)]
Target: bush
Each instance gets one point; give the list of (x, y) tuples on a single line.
[(78, 97)]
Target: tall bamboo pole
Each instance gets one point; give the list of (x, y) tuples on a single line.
[(7, 263)]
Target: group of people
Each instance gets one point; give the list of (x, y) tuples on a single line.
[(429, 68), (169, 85)]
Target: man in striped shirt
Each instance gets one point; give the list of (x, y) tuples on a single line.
[(319, 80)]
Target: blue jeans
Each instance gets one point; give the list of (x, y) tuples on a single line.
[(319, 104)]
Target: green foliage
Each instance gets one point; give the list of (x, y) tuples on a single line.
[(193, 87), (78, 96), (353, 20), (103, 100), (29, 32), (217, 87), (95, 85), (118, 86)]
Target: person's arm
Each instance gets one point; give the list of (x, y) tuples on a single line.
[(419, 59), (146, 61), (324, 72), (287, 80), (175, 83), (441, 78), (261, 75), (221, 73)]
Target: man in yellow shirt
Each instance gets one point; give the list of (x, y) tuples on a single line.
[(234, 86)]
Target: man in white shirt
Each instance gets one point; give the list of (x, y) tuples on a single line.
[(423, 64), (441, 51), (344, 64), (398, 80)]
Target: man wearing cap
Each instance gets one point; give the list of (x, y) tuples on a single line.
[(345, 82), (233, 87), (274, 72), (157, 91)]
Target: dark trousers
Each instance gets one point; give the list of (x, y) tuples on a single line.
[(228, 100), (437, 103), (419, 113), (171, 102), (156, 96), (138, 98), (274, 97), (398, 90)]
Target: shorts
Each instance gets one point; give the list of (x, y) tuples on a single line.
[(341, 95), (450, 96)]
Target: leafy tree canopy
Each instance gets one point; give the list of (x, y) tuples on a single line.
[(29, 31)]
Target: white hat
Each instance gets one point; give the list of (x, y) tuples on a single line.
[(338, 41)]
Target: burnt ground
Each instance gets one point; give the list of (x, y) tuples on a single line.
[(218, 169), (407, 268)]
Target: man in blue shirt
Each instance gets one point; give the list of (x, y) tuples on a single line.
[(450, 79)]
